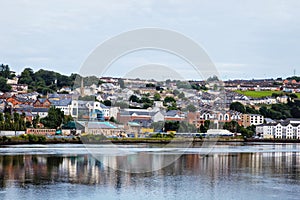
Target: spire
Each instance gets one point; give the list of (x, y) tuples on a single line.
[(81, 87)]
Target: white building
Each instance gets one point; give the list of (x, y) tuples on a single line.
[(89, 106), (288, 129), (252, 119)]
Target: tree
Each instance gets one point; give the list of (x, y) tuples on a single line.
[(172, 106), (171, 126), (146, 100), (1, 117), (4, 87), (232, 126), (181, 95), (205, 126), (134, 98), (5, 72), (1, 121), (191, 108), (158, 126), (7, 121), (54, 119), (35, 121), (176, 92), (107, 102), (169, 100), (150, 85), (293, 96), (251, 110), (156, 97), (147, 105), (186, 127), (183, 84), (17, 123), (112, 119), (213, 78), (67, 119), (26, 77), (295, 112), (202, 129), (237, 106)]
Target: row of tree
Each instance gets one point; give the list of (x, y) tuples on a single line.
[(5, 74), (234, 127), (180, 127), (15, 122), (44, 81), (274, 111)]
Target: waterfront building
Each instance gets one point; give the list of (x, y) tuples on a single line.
[(284, 129)]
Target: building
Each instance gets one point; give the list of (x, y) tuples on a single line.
[(42, 103), (252, 119), (64, 105), (174, 115), (101, 128), (198, 118), (88, 109), (287, 129), (41, 112)]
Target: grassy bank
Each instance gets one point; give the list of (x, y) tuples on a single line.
[(98, 139), (260, 94), (36, 139)]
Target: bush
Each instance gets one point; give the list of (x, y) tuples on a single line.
[(36, 138)]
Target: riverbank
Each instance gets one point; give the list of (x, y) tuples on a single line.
[(99, 140)]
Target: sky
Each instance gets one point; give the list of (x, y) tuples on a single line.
[(244, 39)]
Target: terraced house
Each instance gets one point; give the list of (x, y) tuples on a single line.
[(283, 129)]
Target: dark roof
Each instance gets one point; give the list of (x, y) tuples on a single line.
[(42, 100), (55, 95), (27, 108), (40, 109), (62, 102), (131, 112), (172, 113), (295, 124)]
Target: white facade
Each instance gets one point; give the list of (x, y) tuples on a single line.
[(90, 105), (285, 130)]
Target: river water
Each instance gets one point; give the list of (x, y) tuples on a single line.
[(262, 171)]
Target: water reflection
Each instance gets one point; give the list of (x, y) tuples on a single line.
[(84, 169), (211, 176)]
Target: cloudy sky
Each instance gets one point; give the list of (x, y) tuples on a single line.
[(245, 39)]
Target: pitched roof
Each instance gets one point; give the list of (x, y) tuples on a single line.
[(99, 125), (42, 100), (172, 113), (62, 102), (54, 95)]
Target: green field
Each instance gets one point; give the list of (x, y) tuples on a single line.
[(260, 94)]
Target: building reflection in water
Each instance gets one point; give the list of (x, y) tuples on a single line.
[(26, 170)]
